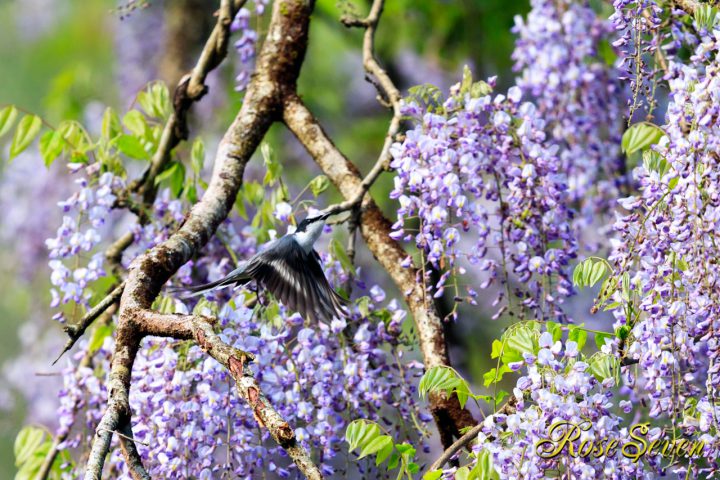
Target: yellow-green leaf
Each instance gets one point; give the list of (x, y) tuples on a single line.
[(27, 130), (640, 136), (132, 147), (7, 119)]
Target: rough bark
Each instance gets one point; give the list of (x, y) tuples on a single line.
[(375, 229)]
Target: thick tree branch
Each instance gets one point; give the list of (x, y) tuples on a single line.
[(278, 66), (375, 228), (117, 413)]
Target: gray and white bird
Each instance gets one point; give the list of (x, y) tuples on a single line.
[(289, 268)]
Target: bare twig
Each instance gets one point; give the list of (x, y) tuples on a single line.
[(50, 457), (130, 452), (76, 330), (456, 447), (507, 409), (190, 89), (387, 94)]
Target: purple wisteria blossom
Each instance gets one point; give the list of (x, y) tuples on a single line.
[(668, 253), (85, 216), (557, 55), (482, 167), (560, 389)]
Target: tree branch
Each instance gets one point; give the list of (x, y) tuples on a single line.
[(190, 90), (278, 66), (375, 228), (75, 331), (507, 409), (690, 6)]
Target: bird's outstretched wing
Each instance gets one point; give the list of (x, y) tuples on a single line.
[(297, 280)]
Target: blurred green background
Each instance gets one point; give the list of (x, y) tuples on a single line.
[(70, 58)]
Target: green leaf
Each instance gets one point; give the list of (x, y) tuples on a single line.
[(99, 335), (626, 288), (640, 136), (274, 168), (174, 177), (110, 124), (361, 432), (7, 119), (518, 340), (363, 304), (590, 271), (600, 338), (554, 329), (338, 251), (439, 378), (495, 375), (405, 449), (578, 335), (135, 122), (462, 473), (319, 184), (434, 475), (132, 147), (654, 162), (384, 453), (375, 445), (27, 130), (155, 100), (26, 443), (75, 135), (197, 156), (51, 146), (496, 349), (394, 461), (484, 468), (705, 15), (623, 332), (603, 365)]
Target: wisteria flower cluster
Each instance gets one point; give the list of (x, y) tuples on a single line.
[(558, 387), (559, 59), (668, 252), (638, 23), (246, 45), (194, 425), (85, 216), (481, 167)]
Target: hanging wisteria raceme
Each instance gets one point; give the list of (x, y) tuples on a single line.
[(668, 251), (565, 421), (194, 425), (74, 261), (560, 64), (640, 37), (481, 167), (246, 45)]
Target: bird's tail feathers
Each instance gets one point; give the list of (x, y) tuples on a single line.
[(236, 277)]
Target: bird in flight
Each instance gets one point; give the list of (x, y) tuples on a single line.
[(289, 268)]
